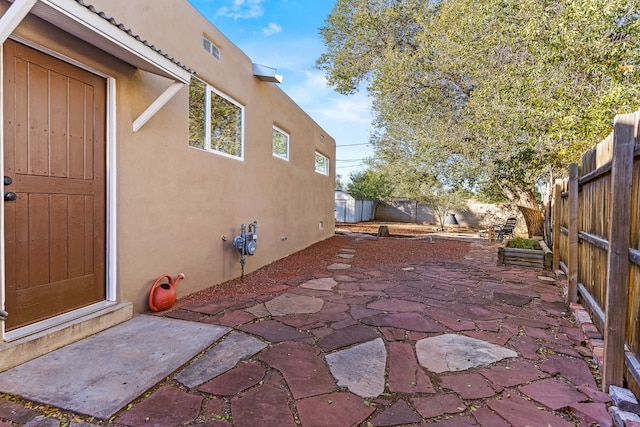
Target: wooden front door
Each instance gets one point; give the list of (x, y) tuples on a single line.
[(54, 152)]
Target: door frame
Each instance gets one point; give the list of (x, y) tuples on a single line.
[(111, 208)]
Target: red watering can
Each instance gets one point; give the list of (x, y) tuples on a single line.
[(163, 295)]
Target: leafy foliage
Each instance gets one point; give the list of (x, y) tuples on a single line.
[(486, 94), (369, 185)]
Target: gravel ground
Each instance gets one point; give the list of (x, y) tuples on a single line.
[(371, 253)]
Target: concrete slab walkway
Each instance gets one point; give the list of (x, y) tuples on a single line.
[(355, 347), (101, 374)]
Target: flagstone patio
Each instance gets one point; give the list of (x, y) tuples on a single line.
[(452, 341)]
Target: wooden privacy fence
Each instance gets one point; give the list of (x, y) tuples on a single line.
[(596, 213)]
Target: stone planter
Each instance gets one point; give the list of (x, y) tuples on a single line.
[(540, 259)]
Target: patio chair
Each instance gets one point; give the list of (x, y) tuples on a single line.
[(506, 229)]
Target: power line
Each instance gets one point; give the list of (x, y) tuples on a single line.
[(353, 145), (350, 166), (350, 160)]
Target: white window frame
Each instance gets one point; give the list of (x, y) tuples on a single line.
[(326, 169), (288, 138), (209, 91)]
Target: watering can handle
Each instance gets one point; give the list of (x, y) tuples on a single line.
[(151, 305)]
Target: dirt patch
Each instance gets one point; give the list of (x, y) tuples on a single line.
[(395, 229), (312, 261)]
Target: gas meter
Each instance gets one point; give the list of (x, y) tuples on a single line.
[(246, 242)]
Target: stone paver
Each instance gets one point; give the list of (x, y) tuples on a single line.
[(167, 407), (405, 374), (520, 412), (293, 304), (221, 358), (436, 406), (14, 412), (335, 409), (265, 405), (302, 367), (468, 386), (323, 284), (450, 352), (396, 305), (513, 374), (410, 321), (339, 266), (454, 343), (396, 414), (238, 379), (360, 368), (575, 370), (347, 336), (486, 417), (563, 395), (273, 331), (42, 421)]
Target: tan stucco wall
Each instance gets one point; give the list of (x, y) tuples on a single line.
[(174, 202)]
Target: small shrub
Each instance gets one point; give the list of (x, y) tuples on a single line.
[(522, 243)]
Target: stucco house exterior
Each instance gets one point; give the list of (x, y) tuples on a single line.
[(136, 140)]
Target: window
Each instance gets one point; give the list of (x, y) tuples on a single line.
[(210, 47), (322, 138), (322, 164), (215, 121), (280, 144)]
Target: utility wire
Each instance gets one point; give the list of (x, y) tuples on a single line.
[(349, 166), (353, 145)]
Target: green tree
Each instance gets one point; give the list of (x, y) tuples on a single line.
[(441, 201), (487, 93), (369, 185)]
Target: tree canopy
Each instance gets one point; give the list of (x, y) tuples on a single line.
[(486, 93)]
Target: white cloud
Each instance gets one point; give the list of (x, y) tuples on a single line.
[(242, 9), (321, 101), (271, 29), (351, 109)]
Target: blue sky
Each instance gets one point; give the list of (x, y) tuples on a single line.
[(283, 34)]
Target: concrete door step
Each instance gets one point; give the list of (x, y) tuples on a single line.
[(29, 347), (101, 374)]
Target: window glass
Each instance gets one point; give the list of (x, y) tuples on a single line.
[(197, 119), (226, 126), (322, 164), (280, 144), (215, 121), (210, 47)]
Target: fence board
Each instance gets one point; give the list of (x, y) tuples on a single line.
[(618, 259), (573, 233), (557, 221)]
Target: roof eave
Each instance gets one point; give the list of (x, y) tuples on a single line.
[(78, 20)]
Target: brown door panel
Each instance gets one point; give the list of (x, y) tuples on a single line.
[(54, 148)]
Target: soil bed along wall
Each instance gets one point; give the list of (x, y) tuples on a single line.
[(370, 253), (396, 229)]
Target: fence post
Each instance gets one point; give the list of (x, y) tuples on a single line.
[(572, 260), (618, 256), (555, 244)]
